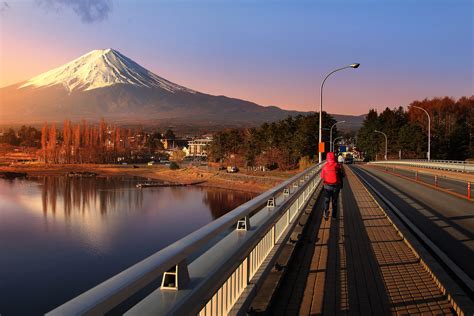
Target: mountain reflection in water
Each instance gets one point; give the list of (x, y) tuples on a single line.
[(69, 234)]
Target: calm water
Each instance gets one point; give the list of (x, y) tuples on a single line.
[(60, 236)]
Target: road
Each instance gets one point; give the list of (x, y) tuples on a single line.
[(446, 219)]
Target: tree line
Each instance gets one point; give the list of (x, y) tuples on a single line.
[(82, 142), (452, 130), (86, 142), (283, 144), (27, 136)]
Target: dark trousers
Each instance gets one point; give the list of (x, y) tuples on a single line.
[(331, 192)]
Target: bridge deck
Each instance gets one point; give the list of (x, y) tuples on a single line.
[(358, 264)]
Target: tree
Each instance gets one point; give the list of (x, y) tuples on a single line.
[(412, 141), (67, 140), (76, 143), (169, 134), (29, 136), (367, 140), (52, 139), (44, 141), (10, 137), (153, 142)]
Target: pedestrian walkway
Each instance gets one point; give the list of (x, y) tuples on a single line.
[(358, 264)]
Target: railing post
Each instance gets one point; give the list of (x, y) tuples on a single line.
[(469, 190), (436, 180), (176, 278), (243, 224)]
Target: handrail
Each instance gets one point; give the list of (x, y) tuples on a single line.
[(438, 161), (117, 289), (453, 165)]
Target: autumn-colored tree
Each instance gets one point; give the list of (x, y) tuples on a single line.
[(85, 134), (44, 141), (76, 142), (67, 140), (102, 134), (52, 139)]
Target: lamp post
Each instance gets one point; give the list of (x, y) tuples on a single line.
[(330, 138), (429, 130), (356, 65), (386, 142), (334, 144)]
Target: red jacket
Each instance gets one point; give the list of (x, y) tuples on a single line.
[(332, 171)]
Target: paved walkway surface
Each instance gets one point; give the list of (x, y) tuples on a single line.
[(358, 264)]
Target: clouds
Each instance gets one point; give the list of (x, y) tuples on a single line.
[(89, 11), (4, 6)]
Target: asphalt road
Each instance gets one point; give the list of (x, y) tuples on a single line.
[(446, 219), (453, 185)]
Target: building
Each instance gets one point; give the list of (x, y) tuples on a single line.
[(198, 147), (172, 144)]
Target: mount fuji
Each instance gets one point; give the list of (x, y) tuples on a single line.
[(107, 84)]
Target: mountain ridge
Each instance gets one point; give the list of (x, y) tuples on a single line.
[(107, 84)]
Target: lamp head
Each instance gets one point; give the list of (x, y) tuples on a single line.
[(356, 65)]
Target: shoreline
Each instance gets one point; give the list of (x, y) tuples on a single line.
[(187, 175)]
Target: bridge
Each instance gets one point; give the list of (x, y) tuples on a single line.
[(402, 243)]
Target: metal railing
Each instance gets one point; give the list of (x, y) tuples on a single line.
[(452, 165), (231, 254)]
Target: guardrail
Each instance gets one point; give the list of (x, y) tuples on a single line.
[(460, 188), (451, 165), (232, 254)]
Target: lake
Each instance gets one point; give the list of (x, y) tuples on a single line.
[(60, 236)]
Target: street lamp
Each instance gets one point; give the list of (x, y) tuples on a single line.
[(355, 66), (429, 130), (386, 142), (330, 138), (334, 144)]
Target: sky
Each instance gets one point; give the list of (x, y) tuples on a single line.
[(265, 51)]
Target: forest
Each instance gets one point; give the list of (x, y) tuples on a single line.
[(284, 144), (452, 130)]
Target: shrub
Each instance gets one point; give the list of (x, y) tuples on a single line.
[(174, 165)]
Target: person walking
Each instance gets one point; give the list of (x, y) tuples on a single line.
[(340, 159), (331, 175)]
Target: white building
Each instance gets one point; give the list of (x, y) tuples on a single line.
[(198, 147)]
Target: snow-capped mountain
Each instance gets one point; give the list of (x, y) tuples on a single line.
[(98, 69), (107, 84)]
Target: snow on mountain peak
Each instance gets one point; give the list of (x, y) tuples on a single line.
[(101, 68)]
